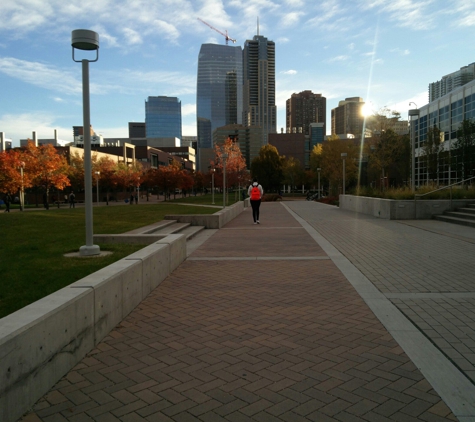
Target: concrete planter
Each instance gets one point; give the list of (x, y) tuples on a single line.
[(392, 209)]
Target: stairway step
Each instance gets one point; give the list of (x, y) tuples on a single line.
[(455, 220), (191, 231), (152, 228), (460, 214), (171, 228)]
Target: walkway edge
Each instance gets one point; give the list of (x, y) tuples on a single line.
[(452, 386)]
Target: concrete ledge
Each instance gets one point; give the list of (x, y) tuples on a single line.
[(391, 209), (211, 221), (39, 344), (137, 239)]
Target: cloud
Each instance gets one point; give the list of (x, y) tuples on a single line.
[(41, 75), (289, 72), (282, 40), (340, 58), (21, 126), (188, 109), (401, 52), (290, 19), (132, 37)]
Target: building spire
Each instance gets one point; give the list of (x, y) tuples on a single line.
[(258, 25)]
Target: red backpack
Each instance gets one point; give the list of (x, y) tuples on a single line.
[(255, 193)]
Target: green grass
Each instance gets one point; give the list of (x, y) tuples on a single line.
[(206, 199), (33, 244)]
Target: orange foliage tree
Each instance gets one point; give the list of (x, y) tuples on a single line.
[(46, 167), (235, 163), (11, 162)]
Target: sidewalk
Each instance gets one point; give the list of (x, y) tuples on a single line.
[(279, 322)]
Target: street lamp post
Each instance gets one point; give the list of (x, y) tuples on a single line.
[(343, 156), (212, 170), (83, 39), (224, 156), (98, 173), (319, 194), (413, 113), (22, 190)]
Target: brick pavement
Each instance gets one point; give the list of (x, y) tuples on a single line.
[(425, 270), (258, 324)]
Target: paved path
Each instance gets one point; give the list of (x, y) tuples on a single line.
[(310, 316)]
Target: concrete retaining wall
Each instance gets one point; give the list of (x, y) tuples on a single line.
[(41, 342), (212, 221), (391, 209)]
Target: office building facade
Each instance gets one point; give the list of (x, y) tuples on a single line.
[(348, 117), (218, 91), (447, 114), (451, 81), (163, 117), (305, 108), (259, 85)]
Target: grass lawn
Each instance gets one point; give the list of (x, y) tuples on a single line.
[(206, 199), (32, 245)]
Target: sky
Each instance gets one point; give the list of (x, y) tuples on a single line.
[(384, 51)]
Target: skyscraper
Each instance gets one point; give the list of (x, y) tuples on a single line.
[(219, 90), (303, 109), (348, 117), (163, 117), (259, 85), (451, 81)]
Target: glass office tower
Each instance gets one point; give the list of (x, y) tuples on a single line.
[(219, 90), (163, 117)]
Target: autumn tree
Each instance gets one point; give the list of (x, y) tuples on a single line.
[(11, 162), (293, 171), (267, 167), (48, 168), (235, 162)]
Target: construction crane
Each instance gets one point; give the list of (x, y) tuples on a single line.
[(226, 36)]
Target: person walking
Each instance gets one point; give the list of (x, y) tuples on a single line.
[(72, 202), (7, 199), (255, 193)]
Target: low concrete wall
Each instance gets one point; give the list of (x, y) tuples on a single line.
[(212, 221), (391, 209), (41, 342)]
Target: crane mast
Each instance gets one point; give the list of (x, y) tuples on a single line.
[(224, 34)]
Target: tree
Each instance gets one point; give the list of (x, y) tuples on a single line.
[(331, 163), (235, 162), (463, 155), (11, 162), (431, 150), (267, 167), (48, 168), (293, 171)]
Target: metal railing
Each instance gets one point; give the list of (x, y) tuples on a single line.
[(436, 190)]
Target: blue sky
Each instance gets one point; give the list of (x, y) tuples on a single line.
[(385, 51)]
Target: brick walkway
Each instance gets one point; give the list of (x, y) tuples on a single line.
[(258, 324)]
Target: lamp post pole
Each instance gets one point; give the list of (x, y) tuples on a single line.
[(22, 191), (212, 185), (224, 157), (84, 39), (343, 155), (319, 194), (97, 185)]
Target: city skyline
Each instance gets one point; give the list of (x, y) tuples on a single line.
[(385, 53)]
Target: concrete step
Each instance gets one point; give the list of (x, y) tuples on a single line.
[(455, 220), (173, 228), (152, 228), (191, 231), (461, 213)]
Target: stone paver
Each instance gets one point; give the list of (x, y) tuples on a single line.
[(423, 268), (277, 335)]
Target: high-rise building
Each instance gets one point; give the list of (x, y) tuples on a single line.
[(163, 117), (259, 85), (303, 109), (137, 130), (348, 117), (219, 90), (451, 81)]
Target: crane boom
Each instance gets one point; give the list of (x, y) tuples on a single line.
[(225, 35)]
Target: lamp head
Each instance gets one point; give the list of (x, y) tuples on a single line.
[(84, 39)]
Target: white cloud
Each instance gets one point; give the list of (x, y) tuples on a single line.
[(291, 18), (282, 40), (41, 75), (189, 129), (403, 106), (340, 58), (132, 37), (401, 52), (289, 72), (188, 109)]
